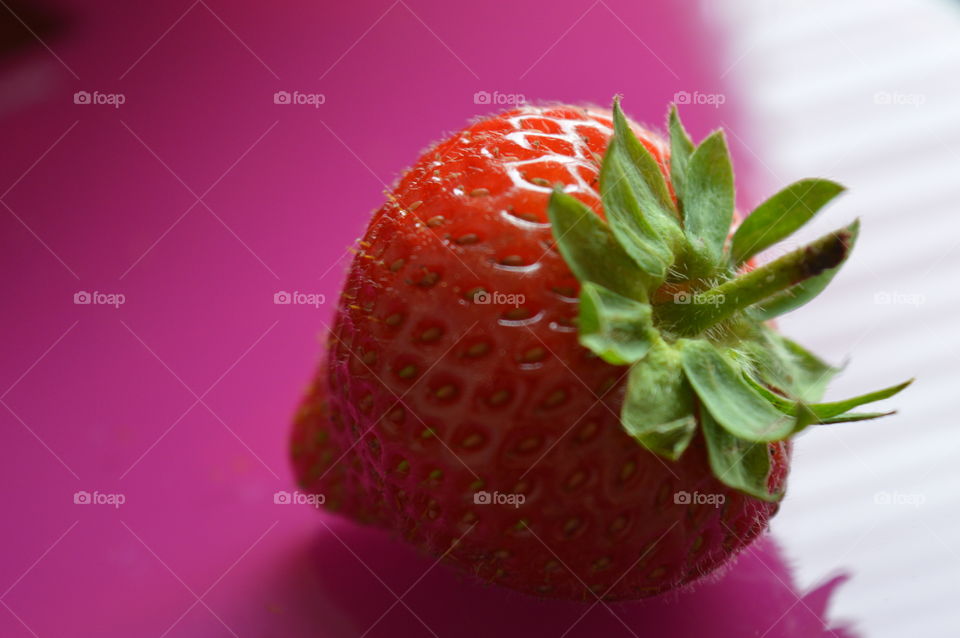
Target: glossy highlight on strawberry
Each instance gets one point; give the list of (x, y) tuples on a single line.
[(517, 386)]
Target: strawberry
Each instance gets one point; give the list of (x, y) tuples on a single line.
[(552, 364)]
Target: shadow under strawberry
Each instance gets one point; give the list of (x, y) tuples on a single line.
[(357, 567)]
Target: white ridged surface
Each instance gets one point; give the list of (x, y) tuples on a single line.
[(807, 73)]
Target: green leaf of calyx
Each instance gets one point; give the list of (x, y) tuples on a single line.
[(719, 382), (616, 328), (743, 465), (781, 215), (681, 148), (805, 291), (785, 364), (820, 413), (590, 249), (836, 408), (637, 202), (708, 202), (852, 417), (658, 407), (757, 286)]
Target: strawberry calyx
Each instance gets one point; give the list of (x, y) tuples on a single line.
[(665, 290)]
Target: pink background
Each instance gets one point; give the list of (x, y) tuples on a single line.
[(180, 399)]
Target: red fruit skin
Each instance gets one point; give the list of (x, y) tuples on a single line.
[(424, 391)]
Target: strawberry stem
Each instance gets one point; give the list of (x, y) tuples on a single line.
[(691, 315)]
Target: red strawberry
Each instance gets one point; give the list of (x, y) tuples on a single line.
[(561, 405)]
